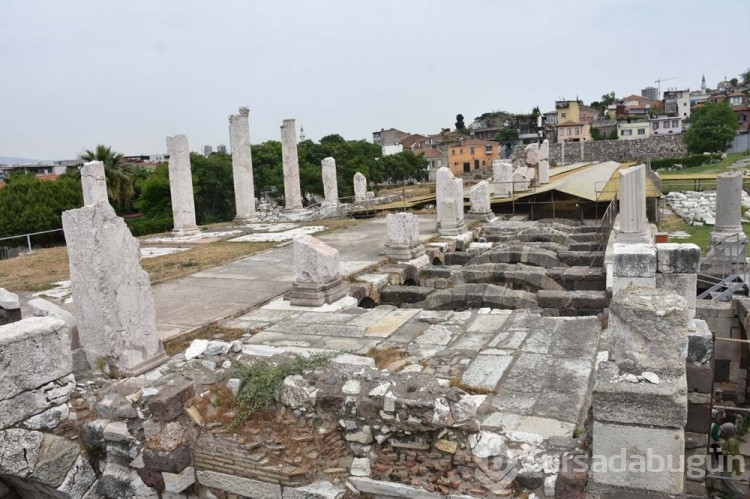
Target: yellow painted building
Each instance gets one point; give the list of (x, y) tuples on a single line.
[(568, 110), (471, 155)]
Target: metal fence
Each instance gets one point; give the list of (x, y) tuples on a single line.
[(4, 249)]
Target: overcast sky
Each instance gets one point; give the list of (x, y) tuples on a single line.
[(128, 73)]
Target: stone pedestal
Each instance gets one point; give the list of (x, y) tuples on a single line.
[(640, 401), (403, 237), (93, 183), (360, 188), (728, 236), (181, 185), (447, 221), (633, 219), (502, 176), (449, 187), (292, 189), (242, 166), (479, 199), (316, 274), (531, 160), (544, 162), (330, 182), (111, 292)]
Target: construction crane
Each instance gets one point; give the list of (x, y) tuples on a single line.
[(664, 79)]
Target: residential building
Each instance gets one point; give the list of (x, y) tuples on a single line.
[(588, 114), (568, 110), (414, 141), (45, 171), (666, 125), (651, 93), (607, 128), (677, 103), (207, 151), (435, 159), (472, 154), (392, 149), (549, 122), (388, 137), (221, 149), (573, 131), (633, 130)]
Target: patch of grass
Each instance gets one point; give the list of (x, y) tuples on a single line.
[(714, 167), (35, 272), (698, 235), (210, 332), (386, 356), (262, 380), (476, 390)]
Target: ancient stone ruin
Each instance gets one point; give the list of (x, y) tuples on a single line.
[(330, 183), (242, 165), (360, 188), (317, 278), (181, 185), (292, 189), (403, 237)]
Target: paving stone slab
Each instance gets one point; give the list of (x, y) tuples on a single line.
[(485, 371), (388, 324)]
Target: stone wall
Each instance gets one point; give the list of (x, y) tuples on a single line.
[(620, 150)]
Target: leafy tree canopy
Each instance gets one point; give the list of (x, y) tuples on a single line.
[(714, 124)]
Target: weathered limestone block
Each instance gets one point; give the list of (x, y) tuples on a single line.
[(34, 351), (35, 401), (93, 183), (112, 293), (444, 190), (181, 185), (360, 188), (502, 177), (648, 328), (19, 451), (673, 258), (634, 260), (479, 200), (330, 182), (10, 307), (633, 200), (544, 162), (316, 274), (618, 401), (403, 237), (684, 285), (458, 192), (522, 177), (238, 485), (290, 160), (242, 165), (531, 155), (637, 443)]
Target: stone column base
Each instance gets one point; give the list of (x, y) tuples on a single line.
[(484, 216), (403, 252), (305, 294), (731, 243), (186, 232), (451, 230)]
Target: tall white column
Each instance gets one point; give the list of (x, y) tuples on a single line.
[(544, 162), (360, 188), (292, 189), (633, 219), (242, 165), (181, 185), (330, 182)]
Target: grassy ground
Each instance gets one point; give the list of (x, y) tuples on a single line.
[(698, 235), (713, 168), (37, 272)]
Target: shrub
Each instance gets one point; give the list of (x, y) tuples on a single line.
[(144, 226), (686, 162)]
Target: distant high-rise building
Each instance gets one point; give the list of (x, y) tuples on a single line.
[(650, 93), (221, 148), (207, 151), (703, 85), (301, 134)]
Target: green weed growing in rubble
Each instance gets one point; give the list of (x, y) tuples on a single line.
[(261, 381)]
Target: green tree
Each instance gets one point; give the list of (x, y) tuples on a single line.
[(746, 77), (213, 186), (460, 122), (33, 205), (536, 111), (713, 125), (120, 183), (507, 135), (154, 200), (596, 134)]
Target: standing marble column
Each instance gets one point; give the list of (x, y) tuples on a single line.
[(444, 190), (292, 189), (360, 188), (544, 162), (633, 200), (458, 192), (93, 183), (330, 183), (479, 199), (502, 177), (242, 166), (181, 185), (728, 223)]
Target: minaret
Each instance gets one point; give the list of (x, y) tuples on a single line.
[(703, 85), (301, 133)]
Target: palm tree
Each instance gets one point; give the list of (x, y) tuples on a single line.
[(119, 177)]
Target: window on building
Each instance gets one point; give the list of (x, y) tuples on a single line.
[(453, 152), (569, 130), (460, 151), (626, 132), (578, 130), (471, 151), (641, 131), (675, 123), (476, 164), (488, 149), (484, 163), (562, 115), (655, 124)]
